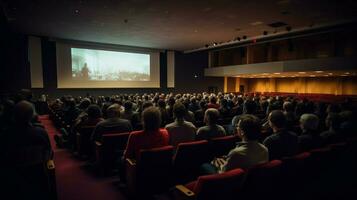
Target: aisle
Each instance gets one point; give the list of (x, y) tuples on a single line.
[(73, 181)]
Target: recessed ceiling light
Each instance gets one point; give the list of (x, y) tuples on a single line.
[(265, 74), (325, 75), (302, 72), (283, 76), (319, 71), (330, 73), (277, 73), (347, 73), (312, 76)]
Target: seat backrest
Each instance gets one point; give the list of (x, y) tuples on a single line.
[(226, 185), (27, 156), (156, 156), (222, 145), (116, 141), (263, 179), (191, 154)]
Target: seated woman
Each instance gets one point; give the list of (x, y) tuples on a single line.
[(150, 137)]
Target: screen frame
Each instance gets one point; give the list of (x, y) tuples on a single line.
[(64, 68)]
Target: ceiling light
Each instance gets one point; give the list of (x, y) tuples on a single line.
[(265, 74), (343, 75), (293, 76), (319, 71), (325, 75), (347, 73), (312, 76), (276, 73), (330, 73), (283, 76), (302, 72)]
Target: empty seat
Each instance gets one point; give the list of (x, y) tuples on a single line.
[(188, 159), (262, 180), (151, 173), (84, 144), (110, 150)]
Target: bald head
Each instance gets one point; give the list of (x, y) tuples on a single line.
[(23, 112), (113, 111)]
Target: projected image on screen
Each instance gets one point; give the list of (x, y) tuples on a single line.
[(100, 65)]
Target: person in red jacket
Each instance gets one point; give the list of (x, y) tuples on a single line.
[(150, 137)]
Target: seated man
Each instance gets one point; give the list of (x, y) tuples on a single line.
[(282, 142), (151, 137), (180, 130), (247, 154), (310, 137), (333, 134), (113, 124), (212, 129)]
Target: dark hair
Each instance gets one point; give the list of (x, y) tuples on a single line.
[(251, 126), (161, 103), (113, 111), (179, 110), (151, 118), (146, 105), (23, 112), (334, 120), (250, 107), (94, 111), (128, 105), (288, 106), (277, 118)]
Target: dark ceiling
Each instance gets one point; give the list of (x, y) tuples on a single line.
[(168, 24)]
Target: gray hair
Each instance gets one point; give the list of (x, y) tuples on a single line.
[(309, 122)]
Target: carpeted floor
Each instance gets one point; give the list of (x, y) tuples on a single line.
[(74, 182)]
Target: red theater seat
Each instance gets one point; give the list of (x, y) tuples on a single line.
[(110, 149), (188, 159), (84, 144), (151, 174), (262, 180), (225, 186)]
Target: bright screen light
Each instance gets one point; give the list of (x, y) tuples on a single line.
[(100, 65)]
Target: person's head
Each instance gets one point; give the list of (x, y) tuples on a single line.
[(333, 121), (309, 122), (213, 100), (248, 127), (84, 104), (288, 106), (179, 110), (211, 116), (23, 112), (146, 105), (94, 112), (249, 107), (113, 111), (128, 106), (161, 103), (151, 119), (277, 120)]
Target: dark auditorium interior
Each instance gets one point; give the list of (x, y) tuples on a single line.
[(178, 100)]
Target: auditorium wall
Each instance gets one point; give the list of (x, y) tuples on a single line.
[(320, 85)]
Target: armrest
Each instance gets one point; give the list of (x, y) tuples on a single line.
[(180, 192), (131, 162), (98, 144), (50, 164)]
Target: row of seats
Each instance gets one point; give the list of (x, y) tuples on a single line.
[(303, 176)]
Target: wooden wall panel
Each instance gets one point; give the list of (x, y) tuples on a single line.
[(321, 85)]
